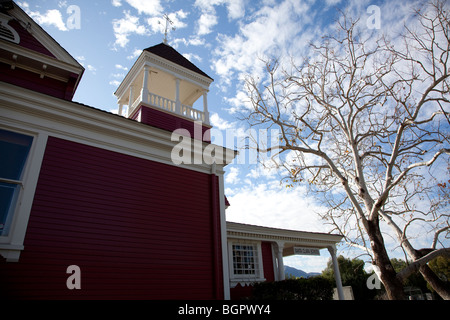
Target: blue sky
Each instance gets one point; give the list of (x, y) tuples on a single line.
[(225, 39)]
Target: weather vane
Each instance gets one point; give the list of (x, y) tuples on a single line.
[(168, 21)]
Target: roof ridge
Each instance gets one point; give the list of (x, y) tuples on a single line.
[(168, 52)]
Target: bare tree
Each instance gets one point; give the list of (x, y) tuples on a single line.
[(365, 124)]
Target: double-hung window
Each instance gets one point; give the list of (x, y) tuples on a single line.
[(245, 259), (245, 262), (14, 151)]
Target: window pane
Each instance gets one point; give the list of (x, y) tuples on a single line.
[(8, 195), (14, 149), (245, 260)]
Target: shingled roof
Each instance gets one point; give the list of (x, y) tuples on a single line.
[(167, 52)]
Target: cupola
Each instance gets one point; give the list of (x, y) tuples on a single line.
[(161, 88)]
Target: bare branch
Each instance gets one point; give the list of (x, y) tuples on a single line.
[(363, 124), (414, 266), (436, 236)]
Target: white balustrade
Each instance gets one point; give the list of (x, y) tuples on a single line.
[(168, 105), (191, 113), (161, 102)]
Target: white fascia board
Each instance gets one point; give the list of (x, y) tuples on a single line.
[(43, 37), (251, 232), (78, 123), (129, 77), (24, 52)]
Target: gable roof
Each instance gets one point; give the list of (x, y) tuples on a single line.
[(39, 34), (167, 52), (29, 49)]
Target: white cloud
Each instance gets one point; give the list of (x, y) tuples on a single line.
[(158, 24), (236, 8), (274, 30), (116, 3), (136, 53), (118, 75), (232, 176), (120, 67), (208, 18), (260, 172), (192, 56), (155, 24), (125, 27), (50, 18), (332, 2), (92, 68), (149, 7), (177, 17), (80, 60), (115, 83), (196, 41), (218, 123), (205, 24), (272, 205), (239, 102), (193, 41)]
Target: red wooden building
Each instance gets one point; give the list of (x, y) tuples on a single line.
[(95, 205)]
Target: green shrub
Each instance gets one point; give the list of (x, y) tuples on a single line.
[(316, 288)]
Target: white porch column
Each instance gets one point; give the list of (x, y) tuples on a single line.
[(280, 246), (130, 100), (205, 106), (177, 97), (120, 108), (337, 274), (144, 91), (223, 230)]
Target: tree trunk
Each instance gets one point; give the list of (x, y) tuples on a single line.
[(393, 286), (437, 284)]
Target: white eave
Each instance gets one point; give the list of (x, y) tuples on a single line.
[(158, 63), (93, 126), (309, 239), (43, 37)]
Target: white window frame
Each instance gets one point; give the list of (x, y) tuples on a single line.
[(245, 279), (12, 244)]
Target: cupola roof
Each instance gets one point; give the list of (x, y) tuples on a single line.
[(167, 52)]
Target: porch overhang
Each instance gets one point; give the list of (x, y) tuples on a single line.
[(290, 238)]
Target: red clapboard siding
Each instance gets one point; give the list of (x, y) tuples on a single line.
[(269, 273), (169, 122), (137, 229), (27, 40), (32, 81)]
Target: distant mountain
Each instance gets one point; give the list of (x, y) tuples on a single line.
[(290, 271)]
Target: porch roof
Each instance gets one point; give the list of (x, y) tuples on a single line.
[(290, 238)]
